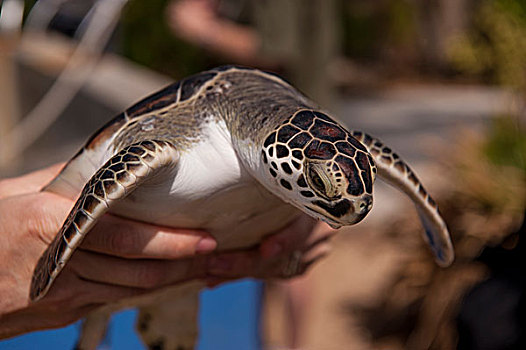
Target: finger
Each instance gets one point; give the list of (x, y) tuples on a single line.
[(72, 293), (252, 264), (324, 239), (95, 293), (236, 264), (322, 230), (136, 273), (131, 239), (317, 252), (289, 238), (42, 315), (300, 235), (245, 264), (38, 214), (212, 282), (29, 183), (298, 263)]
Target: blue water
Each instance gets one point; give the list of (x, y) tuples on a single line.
[(228, 319)]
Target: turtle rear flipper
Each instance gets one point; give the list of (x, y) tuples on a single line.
[(396, 172), (121, 175)]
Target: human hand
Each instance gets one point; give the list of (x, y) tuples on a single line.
[(121, 258), (118, 259), (199, 23), (286, 254), (193, 20)]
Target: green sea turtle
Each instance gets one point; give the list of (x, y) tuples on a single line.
[(237, 152)]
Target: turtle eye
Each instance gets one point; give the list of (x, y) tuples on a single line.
[(320, 181), (317, 182)]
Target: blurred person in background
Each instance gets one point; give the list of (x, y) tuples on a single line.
[(296, 38)]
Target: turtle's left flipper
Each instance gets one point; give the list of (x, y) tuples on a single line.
[(396, 172), (116, 179)]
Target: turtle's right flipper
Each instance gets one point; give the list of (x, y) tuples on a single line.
[(397, 173), (122, 174)]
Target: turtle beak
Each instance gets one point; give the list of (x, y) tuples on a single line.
[(358, 210), (344, 212), (363, 205)]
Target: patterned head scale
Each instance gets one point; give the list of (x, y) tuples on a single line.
[(325, 170)]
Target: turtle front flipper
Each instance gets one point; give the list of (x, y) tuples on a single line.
[(122, 174), (396, 172)]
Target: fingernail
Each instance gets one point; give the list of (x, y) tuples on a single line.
[(205, 245)]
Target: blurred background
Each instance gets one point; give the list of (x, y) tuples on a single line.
[(441, 81)]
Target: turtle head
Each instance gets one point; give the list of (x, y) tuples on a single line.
[(320, 168)]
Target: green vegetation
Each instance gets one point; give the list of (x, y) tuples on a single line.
[(368, 28), (496, 45), (490, 172), (506, 143)]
